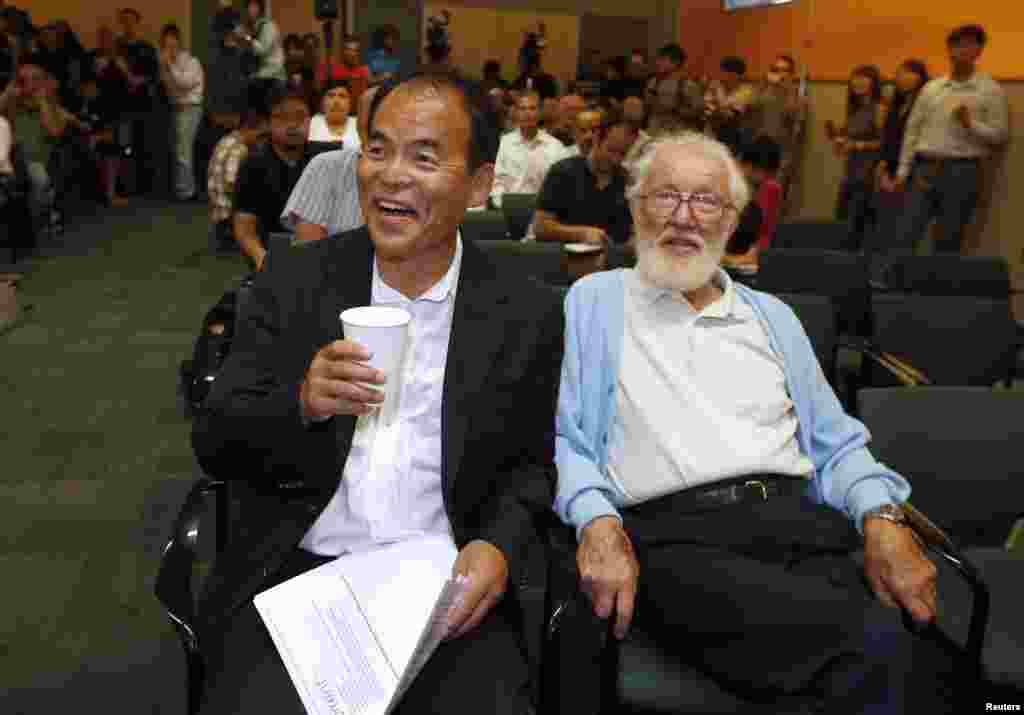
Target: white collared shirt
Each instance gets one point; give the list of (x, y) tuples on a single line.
[(390, 488), (522, 164), (700, 397)]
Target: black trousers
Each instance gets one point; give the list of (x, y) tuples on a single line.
[(765, 598), (485, 671)]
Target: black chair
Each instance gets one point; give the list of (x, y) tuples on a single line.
[(177, 581), (835, 274), (824, 235), (518, 210), (945, 340), (818, 318), (950, 274), (960, 449), (485, 225), (541, 260)]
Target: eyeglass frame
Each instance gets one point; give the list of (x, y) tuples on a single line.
[(687, 198)]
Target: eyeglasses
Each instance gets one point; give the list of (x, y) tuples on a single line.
[(704, 206)]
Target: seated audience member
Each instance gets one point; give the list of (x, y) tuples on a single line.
[(182, 77), (351, 69), (957, 122), (228, 157), (564, 127), (39, 123), (616, 86), (382, 59), (587, 123), (269, 173), (334, 123), (325, 201), (525, 154), (727, 102), (760, 161), (472, 453), (676, 102), (583, 199), (635, 112), (492, 77), (704, 461)]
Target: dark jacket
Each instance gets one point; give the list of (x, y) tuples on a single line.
[(501, 381)]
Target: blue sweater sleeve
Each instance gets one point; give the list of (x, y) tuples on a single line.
[(582, 494), (849, 477)]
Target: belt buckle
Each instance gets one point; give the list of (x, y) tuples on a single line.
[(760, 485)]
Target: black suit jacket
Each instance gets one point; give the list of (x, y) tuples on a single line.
[(499, 396)]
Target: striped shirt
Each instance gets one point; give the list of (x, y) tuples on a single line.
[(327, 194)]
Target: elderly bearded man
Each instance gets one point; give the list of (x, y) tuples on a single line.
[(714, 480)]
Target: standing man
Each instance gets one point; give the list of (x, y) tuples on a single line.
[(675, 101), (783, 114), (288, 416), (583, 199), (957, 121), (526, 153), (182, 77), (716, 486), (351, 69), (382, 59), (144, 116)]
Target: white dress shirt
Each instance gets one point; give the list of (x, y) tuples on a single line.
[(320, 131), (522, 164), (390, 488), (701, 397)]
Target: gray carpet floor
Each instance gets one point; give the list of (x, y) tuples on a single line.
[(95, 458)]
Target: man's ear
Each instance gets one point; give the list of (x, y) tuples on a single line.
[(481, 184)]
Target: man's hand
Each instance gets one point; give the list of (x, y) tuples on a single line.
[(337, 382), (486, 569), (595, 235), (963, 115), (898, 571), (608, 571)]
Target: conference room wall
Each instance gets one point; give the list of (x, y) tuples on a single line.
[(996, 229), (86, 18)]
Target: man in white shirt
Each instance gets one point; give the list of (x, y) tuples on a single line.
[(293, 418), (957, 121), (712, 477), (525, 154)]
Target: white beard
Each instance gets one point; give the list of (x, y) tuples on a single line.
[(661, 268)]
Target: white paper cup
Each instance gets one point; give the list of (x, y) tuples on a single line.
[(383, 331)]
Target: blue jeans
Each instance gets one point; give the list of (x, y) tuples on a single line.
[(186, 124)]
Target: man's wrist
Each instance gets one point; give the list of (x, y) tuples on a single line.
[(891, 513)]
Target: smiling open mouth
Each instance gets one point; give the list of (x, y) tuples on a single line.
[(396, 209)]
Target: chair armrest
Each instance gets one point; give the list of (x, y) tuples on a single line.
[(898, 367), (174, 579), (938, 542)]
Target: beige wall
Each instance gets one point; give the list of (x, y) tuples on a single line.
[(997, 226)]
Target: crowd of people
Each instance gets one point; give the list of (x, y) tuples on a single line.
[(665, 414)]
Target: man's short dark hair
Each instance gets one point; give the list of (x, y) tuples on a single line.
[(485, 135), (131, 11), (280, 93), (788, 59), (733, 64), (170, 29), (257, 101), (968, 32), (612, 116), (674, 53), (763, 153)]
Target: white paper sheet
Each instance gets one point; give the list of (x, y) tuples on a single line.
[(355, 632)]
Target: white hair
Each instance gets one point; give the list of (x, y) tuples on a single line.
[(739, 190)]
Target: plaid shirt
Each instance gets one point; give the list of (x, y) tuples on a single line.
[(227, 157)]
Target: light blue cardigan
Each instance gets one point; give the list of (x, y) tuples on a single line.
[(846, 476)]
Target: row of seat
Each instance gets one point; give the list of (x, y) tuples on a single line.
[(958, 446)]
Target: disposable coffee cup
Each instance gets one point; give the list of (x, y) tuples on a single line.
[(384, 332), (580, 259)]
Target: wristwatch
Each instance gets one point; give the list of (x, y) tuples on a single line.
[(889, 512)]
